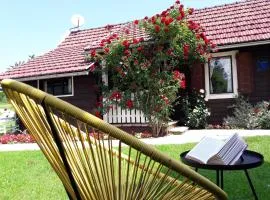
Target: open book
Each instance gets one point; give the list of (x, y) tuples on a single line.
[(218, 152)]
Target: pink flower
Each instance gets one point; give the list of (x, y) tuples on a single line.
[(176, 75), (183, 84)]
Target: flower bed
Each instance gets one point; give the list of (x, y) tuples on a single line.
[(16, 138)]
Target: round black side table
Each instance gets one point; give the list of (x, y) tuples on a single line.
[(249, 159)]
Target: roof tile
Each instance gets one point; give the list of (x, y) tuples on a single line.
[(245, 21)]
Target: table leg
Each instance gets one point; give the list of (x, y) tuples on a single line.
[(217, 177), (251, 185)]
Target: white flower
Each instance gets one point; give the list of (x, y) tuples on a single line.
[(202, 91)]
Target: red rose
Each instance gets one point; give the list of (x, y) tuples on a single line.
[(136, 22), (157, 28), (176, 75), (141, 39), (129, 103), (146, 18), (127, 52), (98, 114), (140, 48), (186, 49), (177, 2), (190, 11), (127, 31), (92, 67), (135, 41), (153, 19), (183, 84), (166, 29), (106, 50), (93, 53), (116, 95), (125, 43)]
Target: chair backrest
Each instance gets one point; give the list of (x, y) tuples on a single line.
[(96, 160)]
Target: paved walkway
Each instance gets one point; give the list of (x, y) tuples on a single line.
[(186, 137)]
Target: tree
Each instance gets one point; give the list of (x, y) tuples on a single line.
[(150, 70), (19, 63)]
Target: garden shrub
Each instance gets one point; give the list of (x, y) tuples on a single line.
[(247, 116), (194, 112)]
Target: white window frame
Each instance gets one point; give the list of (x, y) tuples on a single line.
[(66, 95), (234, 94)]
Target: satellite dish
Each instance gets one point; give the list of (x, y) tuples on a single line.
[(77, 20)]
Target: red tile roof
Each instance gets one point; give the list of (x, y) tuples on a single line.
[(240, 22)]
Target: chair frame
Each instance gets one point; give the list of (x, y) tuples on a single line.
[(48, 101)]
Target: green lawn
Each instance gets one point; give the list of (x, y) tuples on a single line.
[(27, 175)]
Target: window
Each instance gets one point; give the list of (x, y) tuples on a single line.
[(221, 76), (59, 86)]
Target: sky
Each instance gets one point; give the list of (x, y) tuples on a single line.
[(37, 26)]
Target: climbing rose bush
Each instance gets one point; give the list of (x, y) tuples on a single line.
[(145, 73)]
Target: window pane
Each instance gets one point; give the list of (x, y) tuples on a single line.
[(61, 86), (220, 74)]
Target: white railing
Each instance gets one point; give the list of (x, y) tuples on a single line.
[(117, 115)]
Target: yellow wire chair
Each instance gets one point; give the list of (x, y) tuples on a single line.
[(93, 167)]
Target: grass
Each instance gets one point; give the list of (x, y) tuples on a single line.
[(5, 105), (27, 175)]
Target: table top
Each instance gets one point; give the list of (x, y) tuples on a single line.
[(249, 159)]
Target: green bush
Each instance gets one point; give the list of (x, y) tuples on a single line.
[(247, 116), (3, 98), (194, 112)]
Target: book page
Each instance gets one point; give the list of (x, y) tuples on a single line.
[(205, 149)]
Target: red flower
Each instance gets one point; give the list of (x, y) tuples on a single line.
[(183, 84), (106, 50), (186, 49), (92, 67), (166, 29), (136, 22), (141, 39), (177, 2), (179, 17), (125, 43), (165, 99), (164, 13), (146, 18), (157, 28), (93, 53), (176, 75), (153, 19), (168, 21), (129, 103), (127, 31), (127, 52), (135, 41), (140, 48), (98, 114), (190, 11), (170, 52), (116, 95)]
